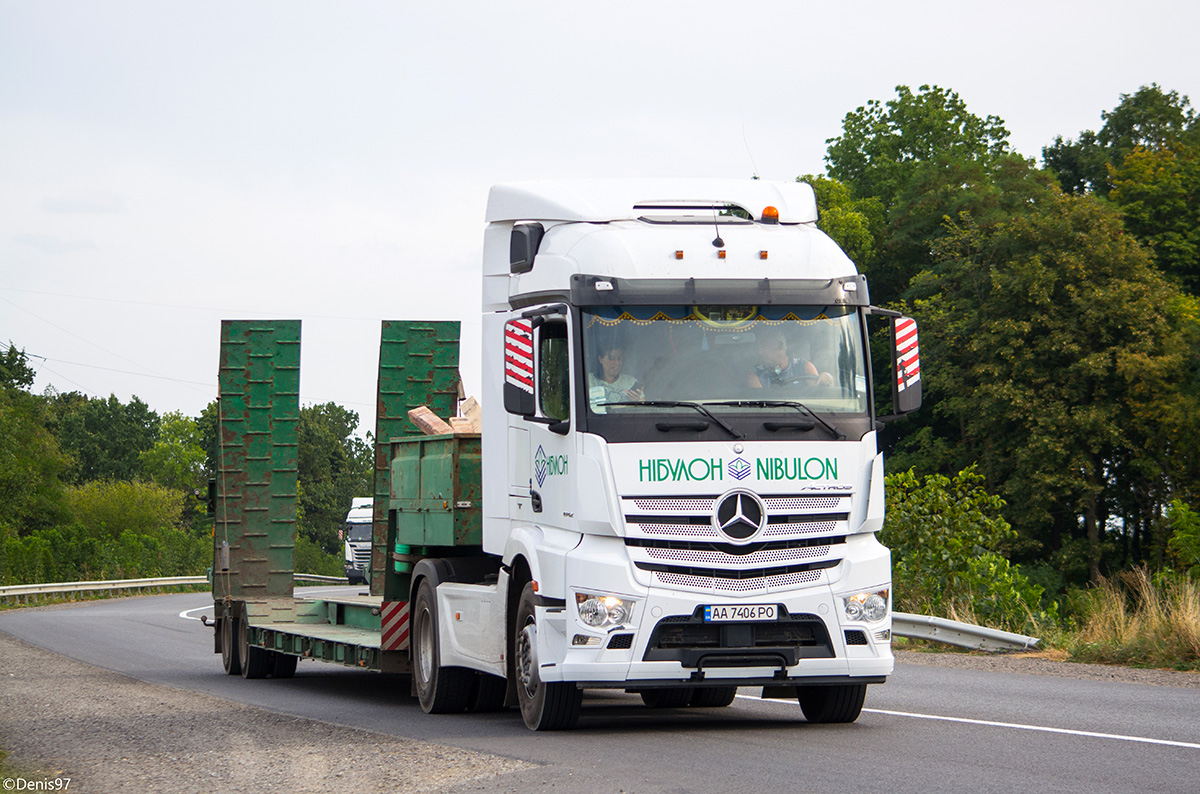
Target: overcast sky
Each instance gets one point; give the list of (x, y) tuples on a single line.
[(165, 165)]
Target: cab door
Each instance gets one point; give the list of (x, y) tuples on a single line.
[(538, 387)]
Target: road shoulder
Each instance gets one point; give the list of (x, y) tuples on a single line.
[(108, 732)]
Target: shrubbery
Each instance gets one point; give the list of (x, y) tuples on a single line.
[(945, 535)]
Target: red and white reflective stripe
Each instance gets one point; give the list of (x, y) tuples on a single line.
[(908, 356), (518, 354), (394, 615)]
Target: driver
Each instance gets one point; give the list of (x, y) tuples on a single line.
[(774, 367)]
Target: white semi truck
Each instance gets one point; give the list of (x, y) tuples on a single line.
[(356, 539), (677, 488)]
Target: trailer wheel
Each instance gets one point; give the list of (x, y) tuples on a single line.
[(667, 698), (842, 703), (283, 665), (256, 662), (441, 690), (713, 697), (545, 706), (229, 647)]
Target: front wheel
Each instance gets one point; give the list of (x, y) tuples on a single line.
[(831, 704), (713, 697), (545, 706)]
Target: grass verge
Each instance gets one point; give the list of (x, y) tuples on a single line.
[(1138, 621)]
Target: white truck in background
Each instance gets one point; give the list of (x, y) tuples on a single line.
[(356, 539)]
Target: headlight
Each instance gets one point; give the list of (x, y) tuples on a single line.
[(601, 611), (869, 607)]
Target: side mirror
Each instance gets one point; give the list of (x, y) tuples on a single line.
[(523, 246), (518, 367), (906, 365)]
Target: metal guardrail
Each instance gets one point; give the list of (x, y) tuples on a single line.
[(925, 627), (26, 592), (963, 635)]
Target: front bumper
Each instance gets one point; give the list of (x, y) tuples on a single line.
[(673, 644)]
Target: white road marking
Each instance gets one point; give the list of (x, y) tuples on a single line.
[(187, 613), (308, 591), (1015, 725)]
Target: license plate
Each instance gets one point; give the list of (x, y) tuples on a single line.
[(723, 613)]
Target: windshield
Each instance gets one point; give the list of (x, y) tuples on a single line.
[(358, 532), (729, 358)]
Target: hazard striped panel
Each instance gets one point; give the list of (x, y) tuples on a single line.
[(394, 615), (518, 354), (908, 358)]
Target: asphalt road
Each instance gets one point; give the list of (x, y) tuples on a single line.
[(929, 729)]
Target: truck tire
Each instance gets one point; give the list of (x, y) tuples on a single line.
[(487, 693), (713, 697), (545, 706), (828, 704), (668, 698), (283, 665), (229, 646), (440, 690), (256, 662)]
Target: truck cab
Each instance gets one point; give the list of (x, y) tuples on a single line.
[(356, 539), (682, 482)]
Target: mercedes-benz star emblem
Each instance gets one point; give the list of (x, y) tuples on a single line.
[(739, 516)]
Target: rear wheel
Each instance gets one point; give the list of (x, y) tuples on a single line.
[(842, 703), (545, 706), (441, 690), (230, 659), (713, 696), (667, 698), (256, 662)]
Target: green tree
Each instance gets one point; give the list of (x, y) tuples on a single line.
[(15, 372), (883, 144), (31, 465), (856, 225), (334, 467), (1051, 332), (108, 509), (177, 458), (922, 157), (1150, 119), (947, 536), (105, 437), (1158, 191), (1185, 536)]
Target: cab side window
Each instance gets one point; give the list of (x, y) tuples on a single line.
[(554, 371)]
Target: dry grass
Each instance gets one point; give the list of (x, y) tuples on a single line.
[(1136, 621)]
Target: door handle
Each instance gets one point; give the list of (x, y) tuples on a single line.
[(535, 499)]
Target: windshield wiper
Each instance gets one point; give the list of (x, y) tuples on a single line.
[(685, 404), (799, 406)]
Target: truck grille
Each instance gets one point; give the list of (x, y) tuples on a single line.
[(674, 540)]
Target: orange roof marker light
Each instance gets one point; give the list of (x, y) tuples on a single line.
[(770, 215), (679, 254)]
